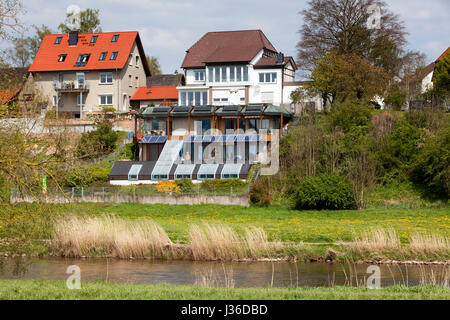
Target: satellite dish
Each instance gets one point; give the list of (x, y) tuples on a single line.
[(73, 20)]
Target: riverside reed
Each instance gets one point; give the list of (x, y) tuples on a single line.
[(122, 238)]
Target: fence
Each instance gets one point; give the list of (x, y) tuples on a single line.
[(150, 194)]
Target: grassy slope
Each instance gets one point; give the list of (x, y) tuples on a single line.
[(280, 223), (49, 290)]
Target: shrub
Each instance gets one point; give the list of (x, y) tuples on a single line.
[(127, 152), (167, 186), (224, 185), (324, 192), (259, 193), (431, 167), (349, 116), (86, 175), (185, 185), (101, 141)]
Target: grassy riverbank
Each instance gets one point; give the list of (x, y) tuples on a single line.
[(280, 223), (57, 290)]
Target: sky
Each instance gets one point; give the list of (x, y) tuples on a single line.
[(169, 27)]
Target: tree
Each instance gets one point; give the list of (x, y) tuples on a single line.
[(153, 63), (341, 26), (20, 54), (345, 77), (441, 78), (10, 11), (89, 22), (36, 40)]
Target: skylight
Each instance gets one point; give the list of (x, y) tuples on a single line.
[(82, 60), (103, 56), (58, 40), (62, 57), (115, 38), (94, 39), (114, 55)]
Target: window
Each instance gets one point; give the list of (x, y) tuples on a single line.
[(81, 100), (190, 98), (238, 74), (130, 80), (106, 78), (80, 79), (115, 38), (137, 61), (103, 56), (204, 98), (210, 74), (137, 82), (199, 75), (94, 39), (197, 98), (224, 74), (232, 73), (82, 60), (245, 73), (105, 100), (268, 77), (217, 74), (58, 40), (114, 55), (224, 99), (183, 98), (62, 57), (216, 99), (55, 99)]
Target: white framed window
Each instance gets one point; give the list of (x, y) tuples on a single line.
[(105, 99), (268, 77), (137, 61), (81, 100), (106, 78), (80, 79), (199, 75)]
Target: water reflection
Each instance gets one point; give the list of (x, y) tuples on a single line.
[(237, 274)]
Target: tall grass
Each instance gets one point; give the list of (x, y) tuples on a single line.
[(432, 244), (376, 240), (110, 236)]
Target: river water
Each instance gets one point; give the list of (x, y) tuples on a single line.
[(237, 274)]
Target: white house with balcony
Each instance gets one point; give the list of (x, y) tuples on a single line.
[(238, 68)]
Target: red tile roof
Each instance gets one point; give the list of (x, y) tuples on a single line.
[(7, 95), (226, 46), (443, 55), (49, 52), (155, 93), (272, 62)]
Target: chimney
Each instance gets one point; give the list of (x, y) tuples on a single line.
[(280, 58), (73, 38)]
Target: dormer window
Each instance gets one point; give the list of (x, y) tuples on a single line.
[(114, 55), (103, 56), (115, 38), (82, 60), (94, 39), (58, 40), (62, 57)]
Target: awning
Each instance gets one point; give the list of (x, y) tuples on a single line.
[(207, 171), (231, 170)]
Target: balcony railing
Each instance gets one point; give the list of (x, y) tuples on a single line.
[(71, 87)]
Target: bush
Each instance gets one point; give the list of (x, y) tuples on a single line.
[(324, 192), (259, 193), (185, 185), (431, 167), (349, 116), (86, 175), (99, 142), (127, 152)]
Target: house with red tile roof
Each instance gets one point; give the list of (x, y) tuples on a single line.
[(427, 81), (238, 68), (81, 73)]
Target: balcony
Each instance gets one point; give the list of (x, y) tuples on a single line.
[(69, 87)]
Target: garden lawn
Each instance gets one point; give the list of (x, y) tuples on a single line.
[(57, 290), (279, 223)]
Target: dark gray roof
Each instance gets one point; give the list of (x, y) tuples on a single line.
[(161, 80)]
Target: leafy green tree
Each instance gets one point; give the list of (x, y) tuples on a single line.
[(99, 142), (441, 77), (154, 65), (36, 40), (20, 54), (89, 22)]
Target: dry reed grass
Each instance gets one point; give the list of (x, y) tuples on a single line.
[(430, 244), (221, 242), (377, 240), (110, 236)]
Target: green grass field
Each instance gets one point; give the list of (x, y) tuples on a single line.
[(57, 290), (279, 223)]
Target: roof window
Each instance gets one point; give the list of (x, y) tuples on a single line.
[(58, 40), (82, 60), (94, 39), (114, 55), (103, 56), (62, 57), (115, 38)]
